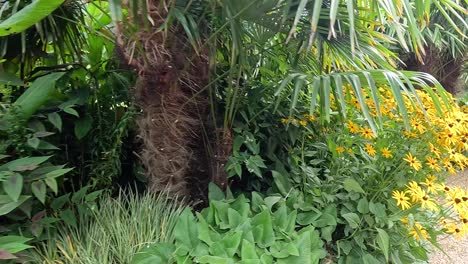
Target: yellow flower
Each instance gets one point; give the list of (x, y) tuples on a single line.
[(426, 202), (432, 163), (353, 128), (420, 233), (401, 199), (386, 152), (370, 150), (415, 191), (367, 133), (413, 162), (302, 122), (418, 126), (340, 149), (434, 150), (350, 150), (431, 186), (410, 134), (457, 231)]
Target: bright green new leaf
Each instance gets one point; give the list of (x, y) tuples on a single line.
[(28, 16)]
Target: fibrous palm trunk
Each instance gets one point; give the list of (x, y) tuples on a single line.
[(440, 64), (169, 92)]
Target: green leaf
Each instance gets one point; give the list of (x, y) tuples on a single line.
[(352, 185), (52, 183), (83, 126), (55, 120), (263, 229), (80, 195), (383, 242), (281, 182), (363, 206), (37, 94), (39, 190), (186, 232), (7, 205), (215, 193), (57, 173), (156, 253), (34, 142), (71, 111), (28, 16), (231, 243), (352, 219), (24, 164), (13, 186), (10, 79), (248, 251), (68, 217), (369, 259)]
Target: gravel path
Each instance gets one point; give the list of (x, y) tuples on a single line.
[(457, 250)]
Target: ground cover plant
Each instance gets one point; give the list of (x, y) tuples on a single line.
[(318, 143)]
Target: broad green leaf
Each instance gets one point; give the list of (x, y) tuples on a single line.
[(248, 251), (68, 217), (83, 126), (13, 186), (71, 111), (57, 173), (52, 183), (34, 142), (24, 164), (7, 205), (28, 16), (37, 94), (10, 79), (352, 185), (39, 190), (186, 232), (352, 219), (155, 253), (383, 242), (231, 243), (215, 193), (263, 229), (56, 120), (281, 182)]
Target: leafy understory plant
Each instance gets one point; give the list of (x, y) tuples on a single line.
[(118, 228), (260, 230)]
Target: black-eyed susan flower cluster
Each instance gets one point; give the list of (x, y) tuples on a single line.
[(415, 156)]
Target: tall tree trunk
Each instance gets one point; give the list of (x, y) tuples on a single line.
[(171, 76)]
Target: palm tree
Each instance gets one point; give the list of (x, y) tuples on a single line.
[(445, 50), (182, 49)]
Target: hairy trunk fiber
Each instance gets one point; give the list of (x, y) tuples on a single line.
[(439, 64), (171, 76)]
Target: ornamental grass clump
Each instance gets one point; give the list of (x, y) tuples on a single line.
[(117, 230)]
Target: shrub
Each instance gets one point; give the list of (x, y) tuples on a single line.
[(260, 230), (118, 229), (388, 188)]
